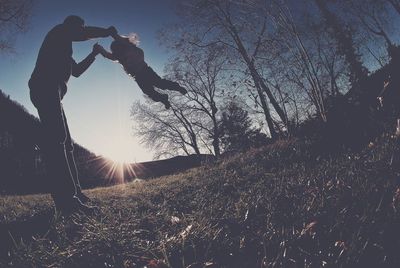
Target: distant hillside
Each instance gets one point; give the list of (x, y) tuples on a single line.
[(170, 166), (21, 164), (22, 169)]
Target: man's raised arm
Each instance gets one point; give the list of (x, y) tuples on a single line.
[(90, 32), (80, 68)]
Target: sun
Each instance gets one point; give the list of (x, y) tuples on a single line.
[(121, 156), (117, 154), (120, 149)]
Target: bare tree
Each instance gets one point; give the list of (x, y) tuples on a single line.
[(305, 73), (289, 65), (203, 74), (168, 132), (305, 64), (241, 27), (192, 123), (14, 18)]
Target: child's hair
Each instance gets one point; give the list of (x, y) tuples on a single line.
[(134, 38)]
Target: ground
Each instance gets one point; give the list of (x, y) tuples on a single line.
[(279, 206)]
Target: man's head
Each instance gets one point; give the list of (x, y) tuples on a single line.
[(74, 23)]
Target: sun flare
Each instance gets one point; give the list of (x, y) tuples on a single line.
[(115, 172), (116, 152)]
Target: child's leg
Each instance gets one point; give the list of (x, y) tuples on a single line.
[(167, 84), (163, 83), (152, 93)]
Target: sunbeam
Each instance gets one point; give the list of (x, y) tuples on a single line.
[(114, 171)]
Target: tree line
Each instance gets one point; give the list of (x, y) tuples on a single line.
[(260, 70)]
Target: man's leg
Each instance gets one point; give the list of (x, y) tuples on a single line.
[(69, 147), (54, 133), (63, 189)]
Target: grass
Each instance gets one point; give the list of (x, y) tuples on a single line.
[(279, 206)]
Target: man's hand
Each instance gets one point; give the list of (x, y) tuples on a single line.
[(112, 31), (114, 34), (97, 49)]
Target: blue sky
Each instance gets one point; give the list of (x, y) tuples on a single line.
[(97, 104)]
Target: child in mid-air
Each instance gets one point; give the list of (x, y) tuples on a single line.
[(125, 51)]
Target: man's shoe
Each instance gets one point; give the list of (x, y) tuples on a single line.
[(82, 197), (74, 205)]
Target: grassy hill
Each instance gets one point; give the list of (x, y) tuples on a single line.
[(279, 206)]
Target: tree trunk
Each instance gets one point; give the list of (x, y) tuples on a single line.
[(215, 143), (267, 113), (258, 82)]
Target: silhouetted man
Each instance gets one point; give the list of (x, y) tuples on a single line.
[(48, 85)]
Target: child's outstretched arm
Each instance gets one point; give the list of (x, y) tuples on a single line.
[(105, 53)]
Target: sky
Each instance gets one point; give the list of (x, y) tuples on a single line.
[(98, 103)]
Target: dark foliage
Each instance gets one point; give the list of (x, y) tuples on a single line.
[(237, 130), (357, 118)]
